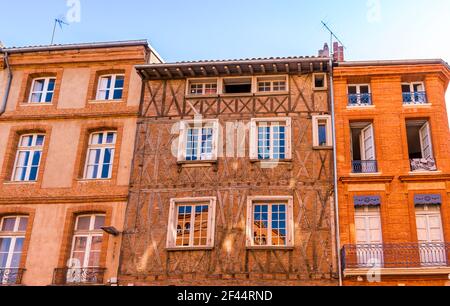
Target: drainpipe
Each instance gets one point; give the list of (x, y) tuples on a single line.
[(336, 196), (8, 86)]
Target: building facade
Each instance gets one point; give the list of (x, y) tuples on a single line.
[(394, 172), (232, 182), (67, 129)]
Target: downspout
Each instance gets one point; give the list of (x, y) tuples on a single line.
[(8, 86), (336, 189)]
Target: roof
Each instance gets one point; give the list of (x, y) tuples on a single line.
[(77, 46), (235, 67)]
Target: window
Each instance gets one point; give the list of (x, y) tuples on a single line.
[(430, 234), (270, 222), (42, 90), (363, 148), (420, 146), (270, 139), (203, 88), (319, 81), (191, 223), (369, 236), (322, 131), (359, 95), (272, 84), (110, 87), (12, 238), (414, 93), (100, 155), (237, 85), (87, 241), (198, 140), (28, 158)]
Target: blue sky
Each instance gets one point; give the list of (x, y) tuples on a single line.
[(213, 29)]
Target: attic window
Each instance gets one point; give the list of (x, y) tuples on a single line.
[(237, 85)]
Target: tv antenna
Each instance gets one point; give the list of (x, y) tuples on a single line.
[(60, 22), (332, 35)]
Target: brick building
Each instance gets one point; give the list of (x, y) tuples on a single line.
[(67, 129), (394, 171), (232, 180)]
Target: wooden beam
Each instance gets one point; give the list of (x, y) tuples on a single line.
[(287, 68), (191, 71), (156, 72), (263, 69), (204, 72), (167, 71), (275, 68), (321, 66), (145, 74), (239, 69), (299, 68), (311, 67), (250, 68), (215, 70), (227, 70), (180, 72)]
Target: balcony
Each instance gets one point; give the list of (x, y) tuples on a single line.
[(360, 100), (364, 166), (422, 164), (411, 98), (11, 277), (79, 276), (396, 256)]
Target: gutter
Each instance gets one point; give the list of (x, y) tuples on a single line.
[(8, 86), (393, 63)]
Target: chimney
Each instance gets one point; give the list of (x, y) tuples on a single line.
[(325, 52), (338, 52)]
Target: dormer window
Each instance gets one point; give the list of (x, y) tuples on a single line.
[(42, 90), (110, 87)]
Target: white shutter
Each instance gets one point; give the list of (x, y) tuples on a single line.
[(368, 227), (253, 140), (435, 224), (422, 232), (375, 229), (367, 143), (425, 141)]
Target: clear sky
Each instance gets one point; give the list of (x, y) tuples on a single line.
[(213, 29)]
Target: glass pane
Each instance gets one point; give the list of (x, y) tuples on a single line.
[(23, 159), (51, 85), (83, 223), (19, 245), (260, 225), (77, 259), (118, 94), (36, 158), (322, 135), (15, 260), (38, 85), (33, 173), (96, 244), (3, 259), (8, 224), (5, 244), (40, 140), (111, 138), (26, 141), (80, 244), (184, 225), (105, 83), (36, 97), (99, 222), (23, 224), (94, 259), (49, 97), (201, 225), (119, 81)]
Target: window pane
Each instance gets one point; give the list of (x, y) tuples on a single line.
[(38, 85), (99, 222), (111, 138), (19, 245), (26, 141), (36, 97), (36, 158), (119, 81), (8, 224), (40, 140), (5, 244), (83, 223), (33, 173), (96, 244), (23, 224), (51, 85), (3, 259), (184, 225), (49, 97), (201, 225), (80, 244), (260, 225), (118, 94), (322, 135), (94, 259)]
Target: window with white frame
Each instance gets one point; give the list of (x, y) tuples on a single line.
[(110, 87), (28, 158), (207, 87), (414, 93), (322, 131), (100, 155), (319, 81), (191, 223), (270, 222), (12, 238), (276, 84), (87, 241), (198, 140), (42, 90), (270, 139)]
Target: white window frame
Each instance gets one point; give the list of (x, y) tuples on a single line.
[(270, 200), (411, 91), (32, 150), (173, 222), (198, 124), (358, 91), (202, 82), (103, 148), (329, 131), (112, 89), (271, 80), (89, 235), (255, 122), (44, 91), (325, 81)]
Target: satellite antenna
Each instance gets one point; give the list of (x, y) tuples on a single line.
[(60, 22)]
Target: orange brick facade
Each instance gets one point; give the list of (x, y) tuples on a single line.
[(394, 181)]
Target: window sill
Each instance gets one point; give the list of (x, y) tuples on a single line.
[(413, 105), (93, 180), (425, 172), (366, 174), (271, 161), (358, 107), (320, 88), (20, 183), (197, 163), (270, 248), (323, 148), (29, 104), (202, 96), (244, 94), (105, 101), (189, 249), (271, 93)]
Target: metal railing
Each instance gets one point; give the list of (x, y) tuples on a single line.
[(360, 99), (419, 97), (365, 166), (10, 277), (79, 276), (401, 255)]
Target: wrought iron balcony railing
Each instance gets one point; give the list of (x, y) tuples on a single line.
[(421, 164), (365, 166), (419, 97), (402, 255), (79, 276), (360, 99), (9, 277)]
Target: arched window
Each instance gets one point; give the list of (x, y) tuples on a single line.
[(28, 158), (110, 87), (100, 155), (87, 241), (12, 238)]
